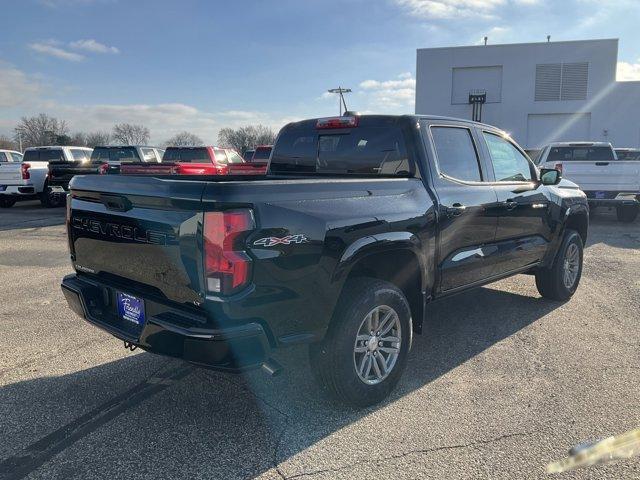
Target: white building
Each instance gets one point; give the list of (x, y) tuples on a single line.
[(539, 92)]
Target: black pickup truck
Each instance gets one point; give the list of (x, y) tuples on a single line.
[(359, 223), (103, 160)]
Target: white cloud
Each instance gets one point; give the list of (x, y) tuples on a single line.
[(628, 71), (495, 35), (16, 87), (389, 95), (52, 49), (91, 45), (450, 9)]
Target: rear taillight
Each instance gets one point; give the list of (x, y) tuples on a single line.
[(337, 122), (25, 171), (227, 265), (103, 169), (222, 169), (558, 166)]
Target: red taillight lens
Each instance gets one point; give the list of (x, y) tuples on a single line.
[(227, 266), (558, 166), (103, 169), (25, 171), (337, 122)]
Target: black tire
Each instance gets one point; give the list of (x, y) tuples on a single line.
[(627, 213), (333, 360), (7, 201), (48, 199), (550, 281)]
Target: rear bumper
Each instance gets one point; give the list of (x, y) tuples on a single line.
[(612, 199), (18, 190), (169, 330)]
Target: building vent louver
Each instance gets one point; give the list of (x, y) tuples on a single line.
[(561, 81), (575, 77), (548, 78)]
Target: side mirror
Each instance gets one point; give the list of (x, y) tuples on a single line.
[(550, 176)]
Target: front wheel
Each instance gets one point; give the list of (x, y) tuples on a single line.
[(365, 350), (560, 281), (627, 213), (7, 201)]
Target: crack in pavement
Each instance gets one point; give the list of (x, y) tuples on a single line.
[(421, 451)]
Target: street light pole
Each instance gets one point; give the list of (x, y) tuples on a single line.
[(340, 91)]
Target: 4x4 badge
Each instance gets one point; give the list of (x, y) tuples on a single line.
[(288, 240)]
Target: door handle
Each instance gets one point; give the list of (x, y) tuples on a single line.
[(510, 204), (455, 210)]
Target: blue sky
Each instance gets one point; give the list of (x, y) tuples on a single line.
[(203, 65)]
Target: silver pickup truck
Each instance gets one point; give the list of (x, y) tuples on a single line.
[(607, 180), (25, 177)]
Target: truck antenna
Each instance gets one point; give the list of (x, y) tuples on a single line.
[(340, 91)]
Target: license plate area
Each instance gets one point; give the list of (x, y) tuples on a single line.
[(131, 313)]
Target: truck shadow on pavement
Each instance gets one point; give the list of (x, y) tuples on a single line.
[(153, 417), (30, 214)]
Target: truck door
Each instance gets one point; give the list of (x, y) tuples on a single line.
[(466, 219), (524, 227)]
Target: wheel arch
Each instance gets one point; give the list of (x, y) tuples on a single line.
[(398, 261)]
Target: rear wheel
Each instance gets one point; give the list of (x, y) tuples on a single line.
[(627, 213), (50, 199), (365, 350), (7, 201), (560, 281)]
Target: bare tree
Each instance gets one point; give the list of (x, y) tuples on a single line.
[(184, 139), (94, 139), (245, 138), (7, 144), (79, 139), (130, 134), (41, 130)]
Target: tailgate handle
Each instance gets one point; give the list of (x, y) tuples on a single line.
[(116, 203), (602, 164)]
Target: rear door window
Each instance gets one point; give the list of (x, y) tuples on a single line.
[(4, 157), (456, 153), (361, 150), (16, 157), (233, 157), (149, 155)]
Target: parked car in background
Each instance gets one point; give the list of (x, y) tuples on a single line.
[(8, 161), (628, 153), (360, 223), (207, 160), (101, 160), (595, 167), (248, 155), (29, 178)]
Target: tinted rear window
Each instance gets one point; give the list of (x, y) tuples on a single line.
[(115, 154), (186, 155), (262, 154), (43, 155), (361, 150), (567, 154)]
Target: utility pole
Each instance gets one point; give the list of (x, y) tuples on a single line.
[(340, 91)]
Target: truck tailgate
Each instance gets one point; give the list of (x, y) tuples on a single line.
[(142, 235), (10, 173), (615, 175), (60, 173)]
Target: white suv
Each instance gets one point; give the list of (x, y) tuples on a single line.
[(595, 167)]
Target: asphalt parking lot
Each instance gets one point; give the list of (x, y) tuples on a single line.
[(501, 383)]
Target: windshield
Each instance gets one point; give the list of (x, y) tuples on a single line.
[(115, 154)]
